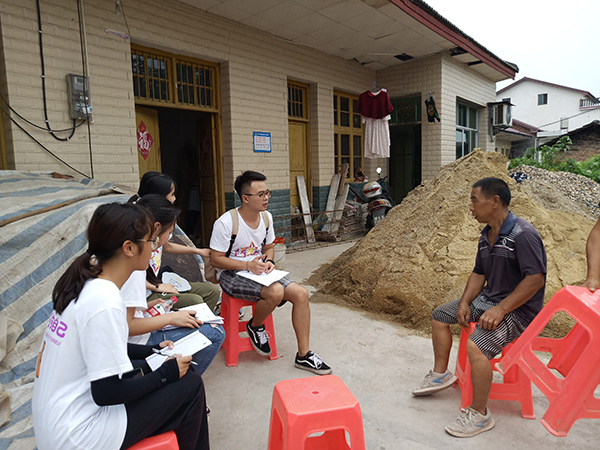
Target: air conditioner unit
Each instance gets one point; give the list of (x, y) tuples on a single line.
[(501, 115)]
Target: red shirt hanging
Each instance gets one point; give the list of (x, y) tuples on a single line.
[(376, 106)]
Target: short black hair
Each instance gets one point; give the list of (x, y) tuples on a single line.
[(243, 181), (494, 186)]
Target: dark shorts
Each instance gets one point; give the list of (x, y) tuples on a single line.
[(243, 288), (490, 342)]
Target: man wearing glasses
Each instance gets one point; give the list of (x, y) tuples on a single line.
[(252, 250)]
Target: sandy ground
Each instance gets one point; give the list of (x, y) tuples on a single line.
[(380, 362)]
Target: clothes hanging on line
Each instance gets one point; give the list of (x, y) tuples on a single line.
[(377, 137), (376, 107)]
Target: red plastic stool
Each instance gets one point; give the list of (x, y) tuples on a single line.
[(306, 406), (515, 386), (576, 357), (165, 441), (235, 344)]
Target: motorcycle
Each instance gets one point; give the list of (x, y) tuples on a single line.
[(380, 201)]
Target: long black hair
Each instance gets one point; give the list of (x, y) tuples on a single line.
[(111, 225), (153, 182), (164, 213)]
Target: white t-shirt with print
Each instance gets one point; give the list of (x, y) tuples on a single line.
[(134, 296), (87, 342), (247, 245)]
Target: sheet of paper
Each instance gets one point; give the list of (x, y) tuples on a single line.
[(180, 283), (266, 279), (192, 343), (203, 313)]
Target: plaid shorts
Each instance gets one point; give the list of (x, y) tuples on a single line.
[(243, 288), (490, 342)]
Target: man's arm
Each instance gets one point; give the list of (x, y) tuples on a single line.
[(524, 291), (592, 251), (178, 249), (474, 286), (220, 261)]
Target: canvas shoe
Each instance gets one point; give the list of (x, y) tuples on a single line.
[(470, 423), (313, 363), (259, 339), (435, 382)]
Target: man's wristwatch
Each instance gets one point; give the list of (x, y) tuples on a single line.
[(270, 260)]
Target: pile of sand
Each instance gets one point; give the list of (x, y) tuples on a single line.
[(421, 255)]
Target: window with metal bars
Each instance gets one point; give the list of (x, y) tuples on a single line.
[(297, 101), (167, 79)]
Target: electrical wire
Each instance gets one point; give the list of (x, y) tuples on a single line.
[(52, 132), (35, 125), (559, 120), (85, 75), (40, 144)]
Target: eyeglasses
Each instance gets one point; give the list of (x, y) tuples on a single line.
[(261, 194), (153, 242)]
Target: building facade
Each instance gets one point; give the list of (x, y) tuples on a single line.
[(203, 90)]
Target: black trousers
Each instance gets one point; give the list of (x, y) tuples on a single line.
[(179, 406)]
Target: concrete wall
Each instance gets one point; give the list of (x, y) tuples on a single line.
[(254, 70), (561, 103), (449, 82)]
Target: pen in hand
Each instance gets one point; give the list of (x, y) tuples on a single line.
[(162, 354)]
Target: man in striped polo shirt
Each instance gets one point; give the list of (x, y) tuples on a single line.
[(504, 293)]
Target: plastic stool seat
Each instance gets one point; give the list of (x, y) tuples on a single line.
[(234, 344), (165, 441), (515, 386), (306, 406), (576, 357)]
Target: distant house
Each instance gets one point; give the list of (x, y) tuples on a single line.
[(512, 142), (553, 108), (586, 142)]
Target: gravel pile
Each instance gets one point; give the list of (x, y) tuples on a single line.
[(582, 194)]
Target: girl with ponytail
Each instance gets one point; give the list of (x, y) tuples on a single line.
[(88, 390)]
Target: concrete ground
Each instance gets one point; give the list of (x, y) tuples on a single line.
[(380, 362)]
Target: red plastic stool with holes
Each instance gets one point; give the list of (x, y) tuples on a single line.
[(306, 406), (165, 441), (235, 344), (576, 357), (515, 386)]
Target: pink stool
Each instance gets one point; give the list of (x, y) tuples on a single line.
[(306, 406), (515, 386), (576, 357), (165, 441), (235, 344)]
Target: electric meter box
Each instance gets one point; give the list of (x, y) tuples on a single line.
[(79, 96)]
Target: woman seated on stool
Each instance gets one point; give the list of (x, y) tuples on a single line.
[(149, 330), (86, 392)]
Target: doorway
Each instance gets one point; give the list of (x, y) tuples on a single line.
[(186, 152), (298, 128), (405, 160)]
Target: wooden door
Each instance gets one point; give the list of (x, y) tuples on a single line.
[(148, 147), (208, 175), (298, 158)]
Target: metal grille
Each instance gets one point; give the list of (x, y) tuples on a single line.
[(195, 84), (150, 76)]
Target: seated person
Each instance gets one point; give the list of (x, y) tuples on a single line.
[(253, 250), (592, 248), (86, 394), (149, 330), (504, 293)]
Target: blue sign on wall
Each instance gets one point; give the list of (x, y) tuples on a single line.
[(262, 142)]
